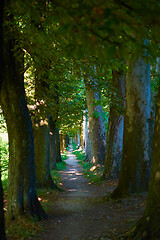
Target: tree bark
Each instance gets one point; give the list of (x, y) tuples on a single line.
[(58, 152), (41, 134), (52, 138), (61, 143), (22, 196), (148, 226), (66, 141), (86, 139), (114, 141), (135, 168), (96, 126), (2, 220), (42, 155), (85, 132)]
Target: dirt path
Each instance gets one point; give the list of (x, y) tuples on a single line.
[(82, 212)]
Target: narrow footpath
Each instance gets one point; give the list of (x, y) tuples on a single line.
[(82, 211)]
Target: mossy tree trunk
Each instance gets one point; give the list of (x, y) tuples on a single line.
[(96, 126), (22, 196), (41, 132), (135, 168), (57, 140), (114, 141), (42, 155)]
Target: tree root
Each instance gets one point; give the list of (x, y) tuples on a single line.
[(36, 210)]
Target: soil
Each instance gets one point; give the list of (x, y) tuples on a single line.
[(83, 210)]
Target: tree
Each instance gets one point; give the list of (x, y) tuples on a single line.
[(57, 140), (42, 139), (2, 221), (52, 133), (114, 141), (148, 226), (22, 196), (135, 168), (96, 125)]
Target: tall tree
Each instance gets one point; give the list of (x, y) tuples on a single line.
[(135, 168), (114, 141), (52, 133), (22, 196), (2, 221), (96, 125), (148, 226), (41, 132), (57, 140)]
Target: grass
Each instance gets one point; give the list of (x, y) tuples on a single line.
[(64, 156), (94, 175)]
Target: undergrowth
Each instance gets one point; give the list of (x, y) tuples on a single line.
[(93, 174)]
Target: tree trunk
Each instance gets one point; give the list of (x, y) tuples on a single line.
[(86, 139), (52, 140), (78, 139), (58, 152), (96, 125), (66, 141), (2, 221), (135, 169), (89, 154), (81, 136), (148, 226), (41, 134), (22, 196), (61, 143), (42, 155), (85, 132), (114, 142)]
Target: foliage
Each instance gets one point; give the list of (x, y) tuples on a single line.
[(4, 151), (107, 29), (4, 155), (155, 78)]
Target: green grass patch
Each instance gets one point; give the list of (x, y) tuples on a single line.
[(61, 165), (93, 174), (55, 173), (64, 156)]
